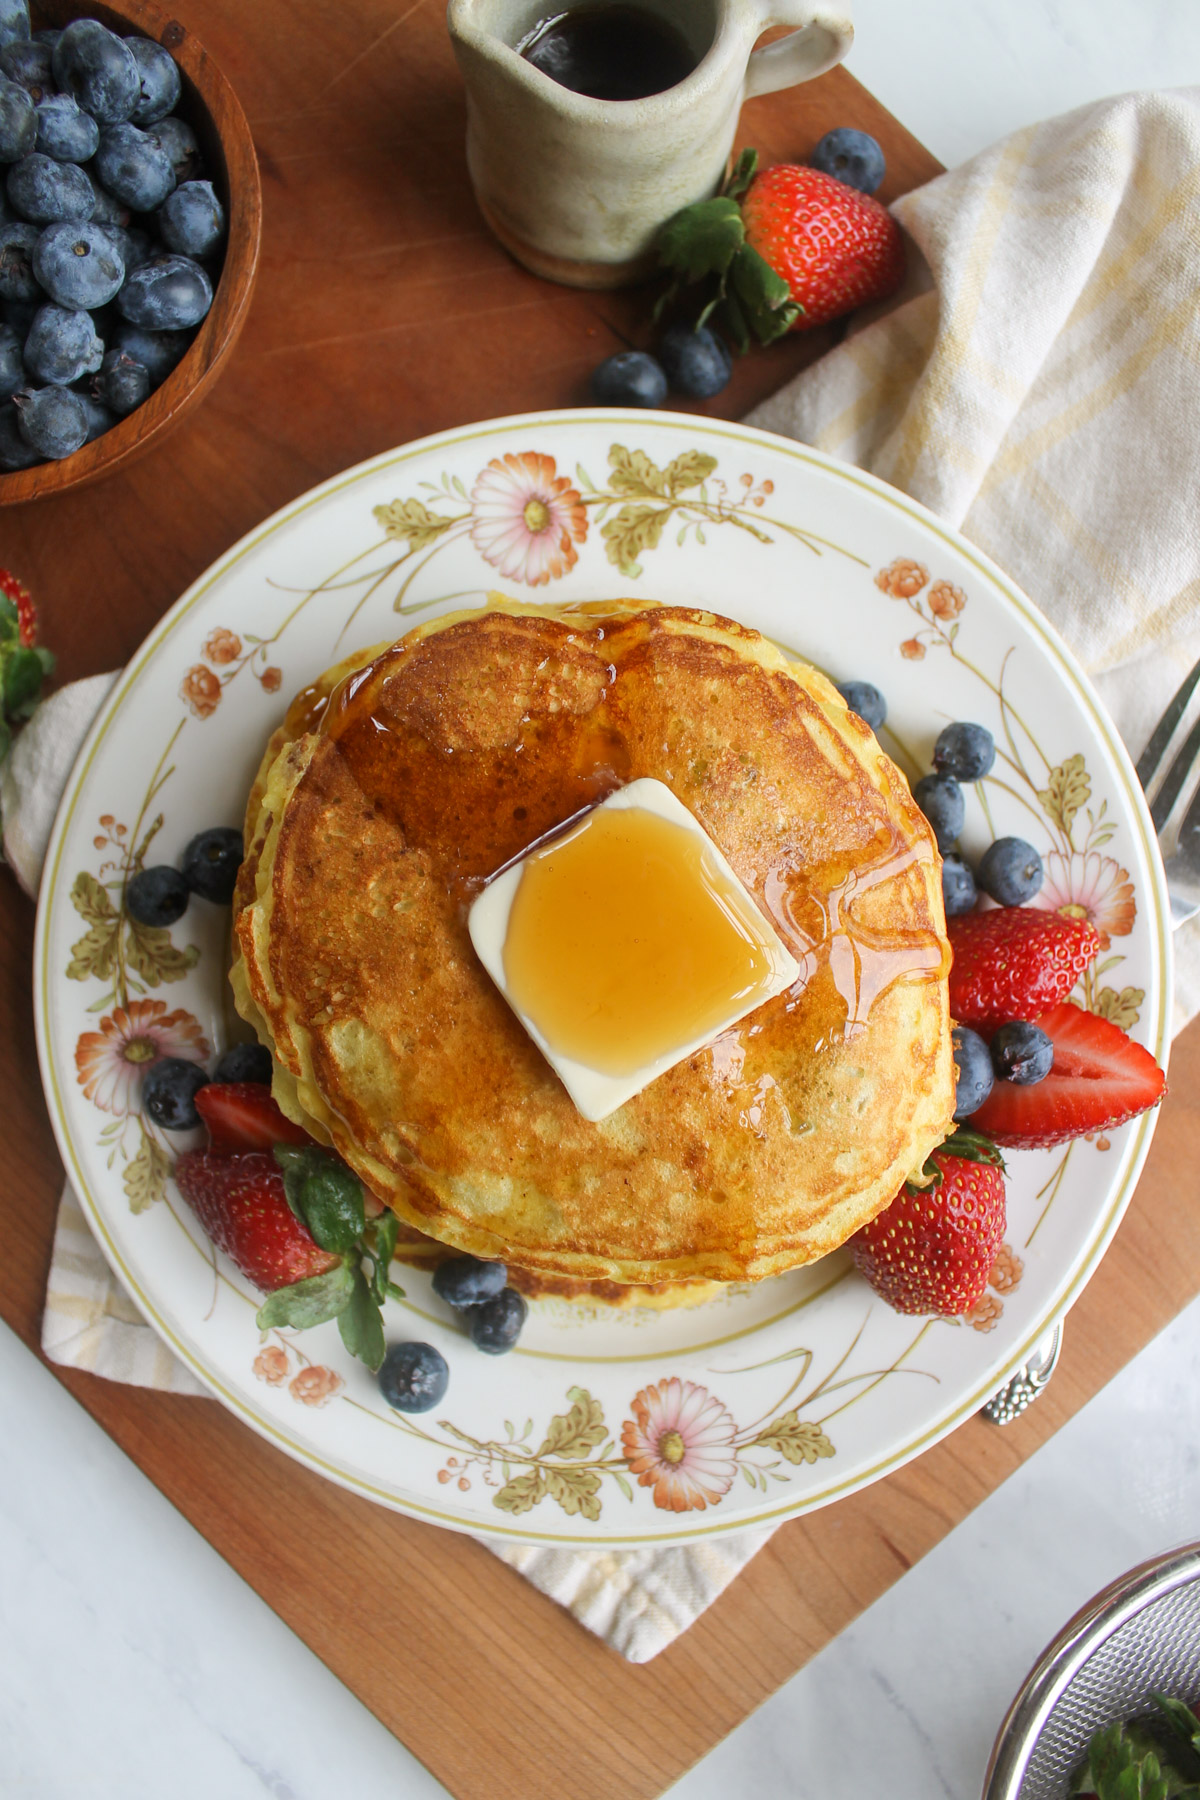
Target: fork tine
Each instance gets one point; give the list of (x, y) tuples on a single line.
[(1164, 731), (1175, 777)]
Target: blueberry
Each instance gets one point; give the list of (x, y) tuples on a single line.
[(192, 219), (973, 1076), (1010, 871), (413, 1377), (851, 156), (157, 351), (964, 751), (15, 453), (168, 293), (160, 84), (157, 896), (18, 121), (78, 265), (98, 70), (958, 887), (65, 131), (697, 363), (100, 418), (169, 1092), (865, 700), (495, 1325), (51, 419), (941, 800), (48, 35), (631, 378), (122, 384), (14, 21), (108, 210), (12, 367), (211, 862), (245, 1062), (28, 64), (62, 346), (1022, 1052), (465, 1281), (44, 191), (133, 245), (18, 243), (133, 168), (177, 141)]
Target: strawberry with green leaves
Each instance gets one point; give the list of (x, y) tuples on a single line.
[(293, 1218), (781, 250), (933, 1248), (24, 665)]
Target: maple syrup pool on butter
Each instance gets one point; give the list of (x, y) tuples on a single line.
[(610, 51)]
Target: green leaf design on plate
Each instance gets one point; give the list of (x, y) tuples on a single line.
[(689, 470), (522, 1493), (633, 473), (412, 521), (573, 1434), (1068, 789), (630, 532), (796, 1439), (150, 953), (577, 1491), (1123, 1008), (145, 1175)]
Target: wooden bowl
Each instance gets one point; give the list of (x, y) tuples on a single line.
[(211, 108)]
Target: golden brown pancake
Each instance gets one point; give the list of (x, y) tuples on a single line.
[(446, 755)]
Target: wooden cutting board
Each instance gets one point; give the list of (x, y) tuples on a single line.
[(384, 311)]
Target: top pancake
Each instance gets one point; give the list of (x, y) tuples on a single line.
[(378, 817)]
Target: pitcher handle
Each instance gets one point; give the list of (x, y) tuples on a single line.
[(820, 39)]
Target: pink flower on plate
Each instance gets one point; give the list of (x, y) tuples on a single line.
[(945, 600), (201, 690), (1091, 887), (222, 645), (680, 1442), (903, 578), (913, 649), (271, 1365), (525, 519), (315, 1386), (112, 1061)]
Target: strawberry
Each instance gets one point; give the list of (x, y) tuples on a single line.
[(18, 593), (1015, 962), (779, 252), (932, 1249), (241, 1115), (835, 247), (1099, 1078), (241, 1203)]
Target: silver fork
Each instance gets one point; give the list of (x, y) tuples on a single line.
[(1182, 868)]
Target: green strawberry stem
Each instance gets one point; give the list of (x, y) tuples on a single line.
[(971, 1146), (328, 1200), (704, 246)]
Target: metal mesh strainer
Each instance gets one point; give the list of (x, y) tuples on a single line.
[(1141, 1633)]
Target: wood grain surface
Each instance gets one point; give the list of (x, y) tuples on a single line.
[(384, 311)]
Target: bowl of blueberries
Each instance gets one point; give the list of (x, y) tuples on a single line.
[(130, 215)]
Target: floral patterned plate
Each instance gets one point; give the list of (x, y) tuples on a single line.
[(599, 1428)]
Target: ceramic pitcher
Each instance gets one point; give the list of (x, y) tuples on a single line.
[(576, 188)]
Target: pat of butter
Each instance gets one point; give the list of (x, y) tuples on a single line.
[(625, 945)]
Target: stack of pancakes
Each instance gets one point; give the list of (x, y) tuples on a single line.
[(410, 773)]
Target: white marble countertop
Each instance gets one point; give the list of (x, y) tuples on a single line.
[(135, 1664)]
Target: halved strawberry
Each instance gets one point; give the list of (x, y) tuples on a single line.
[(932, 1249), (241, 1115), (241, 1203), (1015, 962), (1100, 1078)]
